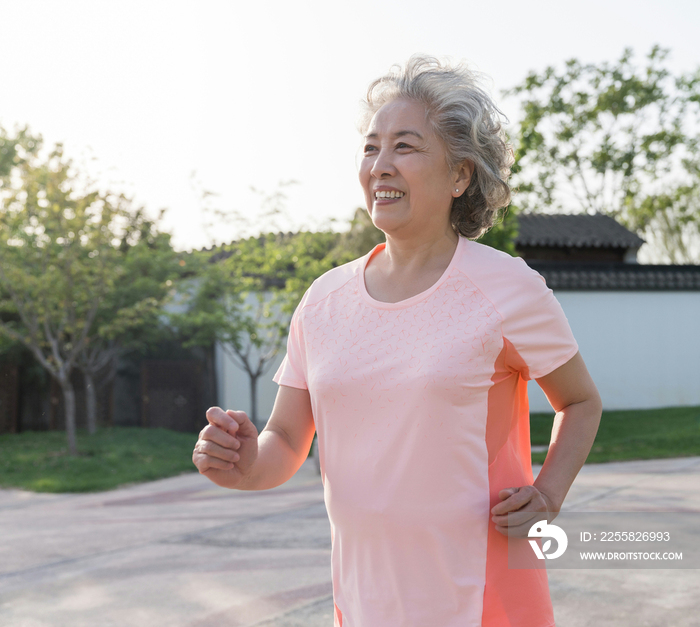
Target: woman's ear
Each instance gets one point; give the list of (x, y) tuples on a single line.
[(463, 177)]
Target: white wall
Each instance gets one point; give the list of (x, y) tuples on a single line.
[(641, 348)]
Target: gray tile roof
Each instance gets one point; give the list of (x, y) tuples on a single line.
[(580, 230), (595, 276)]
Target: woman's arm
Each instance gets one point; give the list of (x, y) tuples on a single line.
[(573, 395)]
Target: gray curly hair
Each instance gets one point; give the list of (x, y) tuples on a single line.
[(465, 117)]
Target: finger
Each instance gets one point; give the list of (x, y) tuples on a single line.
[(514, 498), (522, 518), (504, 494), (517, 517), (219, 418), (519, 524), (533, 511), (207, 447), (245, 425), (518, 531), (213, 433), (205, 463)]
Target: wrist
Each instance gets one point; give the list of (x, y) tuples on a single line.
[(554, 502), (246, 482)]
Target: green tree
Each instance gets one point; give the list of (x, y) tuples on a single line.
[(55, 257), (80, 276), (130, 316), (616, 139), (15, 151)]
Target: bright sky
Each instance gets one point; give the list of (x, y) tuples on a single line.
[(251, 93)]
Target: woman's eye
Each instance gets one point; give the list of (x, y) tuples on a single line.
[(402, 145), (369, 148)]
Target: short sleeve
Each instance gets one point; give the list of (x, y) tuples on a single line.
[(292, 370), (537, 334)]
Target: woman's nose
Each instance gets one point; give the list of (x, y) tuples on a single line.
[(383, 166)]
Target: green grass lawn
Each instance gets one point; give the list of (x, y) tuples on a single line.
[(635, 434), (39, 460), (117, 456)]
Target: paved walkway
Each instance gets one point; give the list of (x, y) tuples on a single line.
[(182, 552)]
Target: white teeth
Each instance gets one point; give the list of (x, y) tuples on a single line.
[(391, 194)]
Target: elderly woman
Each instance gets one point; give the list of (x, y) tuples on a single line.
[(411, 363)]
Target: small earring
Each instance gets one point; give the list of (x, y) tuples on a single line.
[(457, 190)]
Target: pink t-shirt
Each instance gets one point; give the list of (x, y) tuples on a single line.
[(422, 417)]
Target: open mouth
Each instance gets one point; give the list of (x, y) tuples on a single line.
[(388, 195)]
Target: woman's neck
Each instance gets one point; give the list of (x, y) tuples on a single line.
[(401, 271), (419, 253)]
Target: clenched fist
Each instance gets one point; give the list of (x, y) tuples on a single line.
[(227, 447)]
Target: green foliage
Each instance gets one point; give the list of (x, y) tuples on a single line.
[(633, 434), (82, 276), (39, 461), (147, 269), (358, 240), (15, 151), (502, 234), (223, 300), (55, 257), (207, 306), (77, 266), (616, 139)]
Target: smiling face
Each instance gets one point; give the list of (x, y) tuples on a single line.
[(407, 182)]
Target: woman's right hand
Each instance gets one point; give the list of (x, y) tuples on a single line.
[(227, 447)]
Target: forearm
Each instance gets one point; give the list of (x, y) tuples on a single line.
[(276, 463), (573, 434)]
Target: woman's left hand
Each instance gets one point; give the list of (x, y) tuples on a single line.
[(520, 508)]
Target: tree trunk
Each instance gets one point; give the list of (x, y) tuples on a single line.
[(254, 402), (90, 402), (69, 403), (211, 377)]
